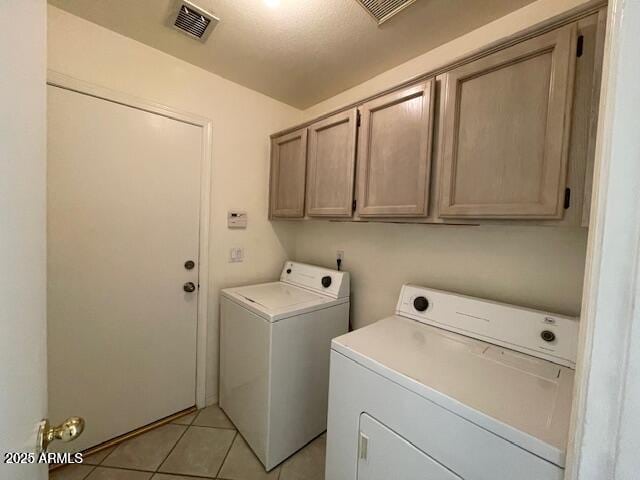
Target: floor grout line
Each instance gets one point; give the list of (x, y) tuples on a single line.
[(68, 465), (108, 455), (185, 475), (172, 448), (227, 454), (128, 469), (209, 426), (197, 414), (88, 473)]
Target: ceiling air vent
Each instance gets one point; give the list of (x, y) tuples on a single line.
[(383, 10), (193, 20)]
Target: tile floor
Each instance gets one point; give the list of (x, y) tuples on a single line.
[(203, 445)]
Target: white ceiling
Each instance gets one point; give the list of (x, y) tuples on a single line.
[(301, 51)]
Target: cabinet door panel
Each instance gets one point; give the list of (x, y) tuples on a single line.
[(394, 153), (506, 131), (288, 170), (331, 162)]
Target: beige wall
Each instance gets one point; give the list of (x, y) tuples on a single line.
[(539, 267), (242, 121)]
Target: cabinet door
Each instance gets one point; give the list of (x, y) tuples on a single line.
[(288, 169), (383, 454), (331, 161), (394, 153), (505, 131)]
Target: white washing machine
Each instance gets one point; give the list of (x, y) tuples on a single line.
[(275, 340), (452, 387)]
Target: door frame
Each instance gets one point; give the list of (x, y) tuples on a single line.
[(604, 435), (57, 79)]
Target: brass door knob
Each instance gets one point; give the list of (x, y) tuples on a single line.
[(67, 431), (189, 287)]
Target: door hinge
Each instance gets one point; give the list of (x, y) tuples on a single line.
[(357, 118), (353, 206), (580, 46), (567, 198)]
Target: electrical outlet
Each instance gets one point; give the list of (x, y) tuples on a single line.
[(236, 255), (340, 255)]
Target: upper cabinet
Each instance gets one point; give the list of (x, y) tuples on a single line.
[(505, 131), (288, 170), (331, 161), (506, 135), (394, 153)]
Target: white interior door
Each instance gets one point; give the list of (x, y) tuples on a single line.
[(123, 218)]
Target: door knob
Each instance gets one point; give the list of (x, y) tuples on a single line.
[(67, 431), (189, 287)]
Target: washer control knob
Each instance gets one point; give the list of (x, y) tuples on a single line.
[(548, 335), (420, 303), (326, 281), (288, 270)]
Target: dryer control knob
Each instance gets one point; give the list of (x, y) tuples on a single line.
[(326, 281), (420, 303), (548, 335)]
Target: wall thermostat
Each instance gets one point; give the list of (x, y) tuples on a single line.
[(236, 219)]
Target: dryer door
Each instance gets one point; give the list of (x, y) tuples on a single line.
[(383, 454)]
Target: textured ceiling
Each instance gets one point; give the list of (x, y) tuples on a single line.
[(300, 51)]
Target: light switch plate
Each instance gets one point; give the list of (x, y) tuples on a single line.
[(236, 255)]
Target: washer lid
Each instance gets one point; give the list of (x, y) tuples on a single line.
[(277, 296), (278, 300), (521, 398)]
